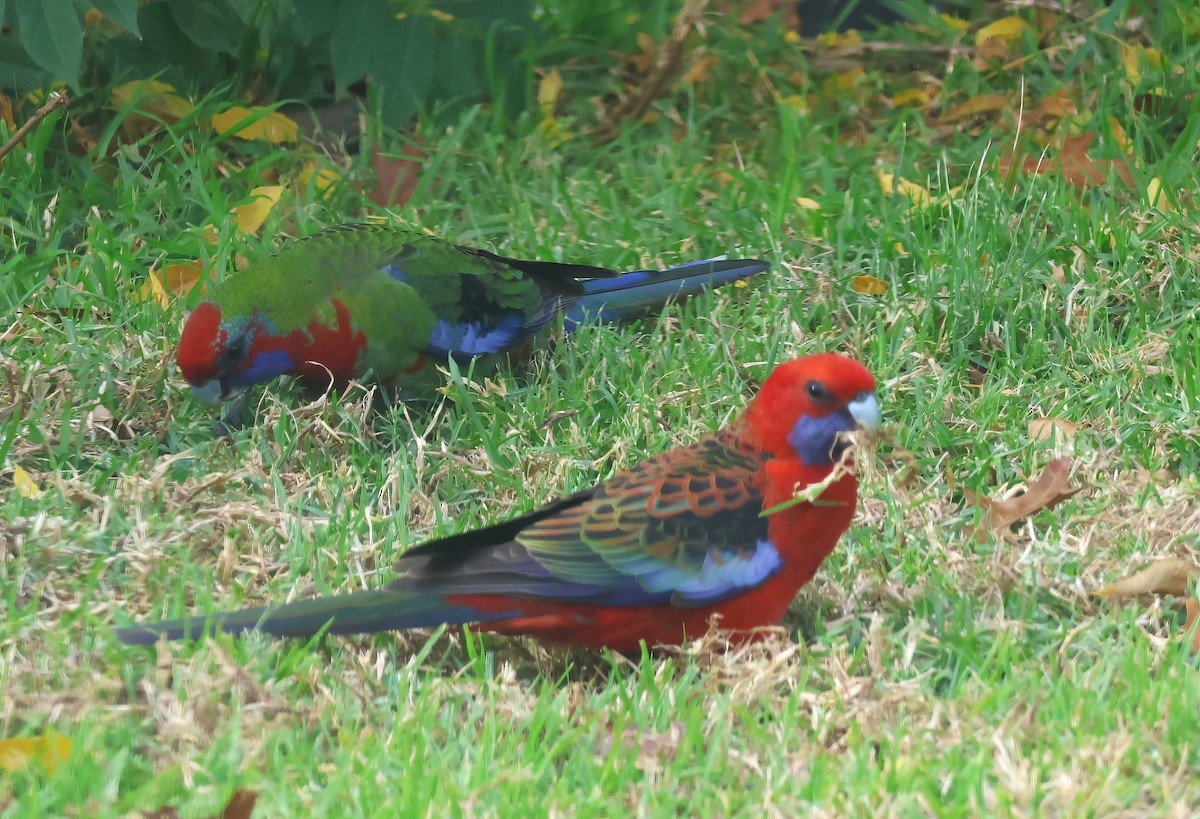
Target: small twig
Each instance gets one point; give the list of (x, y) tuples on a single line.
[(669, 61), (57, 100)]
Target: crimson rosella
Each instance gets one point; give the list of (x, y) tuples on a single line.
[(378, 298), (715, 527)]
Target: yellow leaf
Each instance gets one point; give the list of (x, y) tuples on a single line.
[(834, 39), (251, 216), (49, 750), (1120, 138), (1134, 56), (92, 17), (323, 179), (955, 23), (6, 113), (807, 204), (976, 105), (549, 89), (270, 126), (869, 285), (153, 290), (1006, 28), (153, 97), (444, 16), (177, 278), (792, 36), (845, 80), (917, 194), (911, 96), (1157, 197), (887, 182), (26, 486)]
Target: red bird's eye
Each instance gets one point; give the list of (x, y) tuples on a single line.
[(816, 391)]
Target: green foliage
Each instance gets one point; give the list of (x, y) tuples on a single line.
[(410, 52)]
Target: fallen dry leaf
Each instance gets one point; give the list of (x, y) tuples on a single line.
[(251, 216), (654, 750), (153, 97), (1051, 429), (975, 106), (1051, 487), (1006, 28), (1193, 614), (49, 750), (254, 123), (239, 806), (396, 177), (26, 486), (869, 285), (1073, 161), (1170, 575), (176, 279)]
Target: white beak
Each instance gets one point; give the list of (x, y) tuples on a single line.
[(210, 391), (865, 410)]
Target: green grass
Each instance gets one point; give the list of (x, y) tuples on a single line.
[(920, 673)]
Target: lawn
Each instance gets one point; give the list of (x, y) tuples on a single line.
[(1029, 275)]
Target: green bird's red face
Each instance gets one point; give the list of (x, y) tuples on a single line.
[(222, 355), (807, 405)]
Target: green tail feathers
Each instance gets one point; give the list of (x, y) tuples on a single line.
[(359, 613)]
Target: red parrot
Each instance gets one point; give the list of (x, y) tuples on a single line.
[(714, 527)]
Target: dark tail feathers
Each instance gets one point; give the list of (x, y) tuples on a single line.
[(360, 613), (632, 295)]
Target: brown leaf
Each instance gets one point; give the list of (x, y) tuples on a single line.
[(396, 177), (1050, 429), (1058, 105), (758, 10), (1074, 162), (654, 750), (240, 805), (1167, 576), (1051, 487), (975, 106)]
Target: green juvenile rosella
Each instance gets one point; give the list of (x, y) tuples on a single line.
[(398, 303)]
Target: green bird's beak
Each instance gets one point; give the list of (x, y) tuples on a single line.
[(210, 392), (865, 410)]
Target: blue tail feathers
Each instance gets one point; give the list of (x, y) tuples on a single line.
[(632, 295)]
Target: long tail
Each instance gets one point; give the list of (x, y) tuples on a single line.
[(635, 294), (359, 613)]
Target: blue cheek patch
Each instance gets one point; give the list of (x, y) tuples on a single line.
[(815, 440), (265, 366)]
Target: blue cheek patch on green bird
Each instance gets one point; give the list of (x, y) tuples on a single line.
[(263, 367)]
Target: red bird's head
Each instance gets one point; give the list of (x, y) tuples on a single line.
[(221, 356), (806, 405)]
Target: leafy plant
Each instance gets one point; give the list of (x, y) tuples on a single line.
[(409, 53)]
